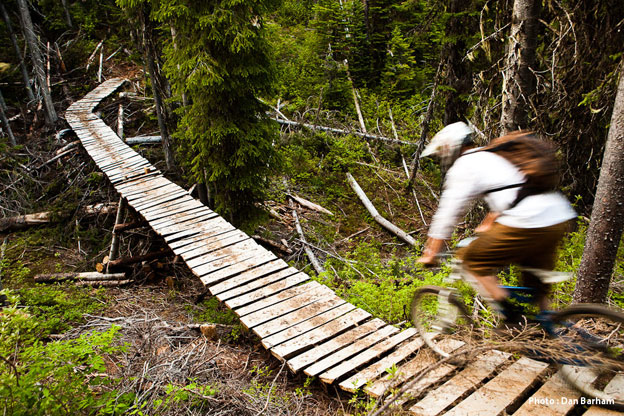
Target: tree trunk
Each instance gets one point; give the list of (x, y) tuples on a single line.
[(37, 59), (18, 53), (5, 121), (607, 217), (459, 76), (67, 15), (415, 165), (518, 79), (158, 90)]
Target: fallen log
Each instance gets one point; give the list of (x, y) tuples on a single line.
[(340, 131), (103, 283), (127, 261), (19, 222), (375, 214), (143, 140), (310, 205), (273, 244), (119, 228), (86, 276)]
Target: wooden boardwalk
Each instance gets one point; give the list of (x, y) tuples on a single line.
[(302, 322)]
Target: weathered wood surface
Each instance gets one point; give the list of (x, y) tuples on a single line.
[(303, 322)]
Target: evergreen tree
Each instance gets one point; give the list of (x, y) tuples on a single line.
[(222, 63), (399, 76)]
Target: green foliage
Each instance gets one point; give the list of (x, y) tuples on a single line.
[(59, 377), (222, 66), (211, 310), (382, 287), (192, 395)]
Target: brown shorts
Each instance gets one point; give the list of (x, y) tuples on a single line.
[(501, 246)]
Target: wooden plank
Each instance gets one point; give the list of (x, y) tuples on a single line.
[(217, 226), (163, 222), (366, 356), (214, 277), (136, 186), (351, 350), (209, 245), (615, 388), (423, 360), (146, 203), (285, 324), (278, 267), (334, 344), (169, 211), (179, 209), (262, 288), (327, 315), (207, 239), (198, 220), (166, 208), (378, 368), (475, 372), (243, 249), (166, 201), (280, 297), (500, 392), (556, 397), (146, 192), (275, 311), (183, 220)]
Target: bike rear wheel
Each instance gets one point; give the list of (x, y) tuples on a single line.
[(437, 310), (589, 347)]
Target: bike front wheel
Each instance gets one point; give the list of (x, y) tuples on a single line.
[(588, 345), (436, 311)]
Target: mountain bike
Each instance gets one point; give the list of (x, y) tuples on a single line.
[(585, 341)]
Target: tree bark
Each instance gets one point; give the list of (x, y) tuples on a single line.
[(518, 78), (607, 217), (18, 53), (23, 221), (37, 59), (376, 216), (415, 165), (459, 76), (89, 276), (158, 90), (5, 121)]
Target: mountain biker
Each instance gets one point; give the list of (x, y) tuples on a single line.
[(523, 231)]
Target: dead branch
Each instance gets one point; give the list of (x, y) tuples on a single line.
[(340, 131), (87, 276), (57, 157), (375, 214), (103, 283), (273, 244), (144, 140), (126, 261), (66, 147), (310, 205), (23, 221), (311, 256), (119, 228)]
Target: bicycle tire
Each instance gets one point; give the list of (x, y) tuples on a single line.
[(594, 333), (429, 322)]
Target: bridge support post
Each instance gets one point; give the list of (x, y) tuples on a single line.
[(114, 249)]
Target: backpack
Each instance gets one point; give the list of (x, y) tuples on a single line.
[(535, 158)]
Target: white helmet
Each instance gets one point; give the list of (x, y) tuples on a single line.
[(448, 142)]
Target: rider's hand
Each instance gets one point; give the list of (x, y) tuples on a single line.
[(432, 248)]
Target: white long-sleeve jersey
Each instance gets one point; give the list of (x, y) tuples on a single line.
[(476, 173)]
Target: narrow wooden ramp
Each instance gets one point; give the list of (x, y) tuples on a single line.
[(301, 321)]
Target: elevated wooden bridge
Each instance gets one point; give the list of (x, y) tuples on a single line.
[(301, 321)]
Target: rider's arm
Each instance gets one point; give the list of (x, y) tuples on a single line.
[(461, 187), (432, 248)]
